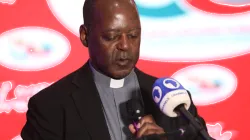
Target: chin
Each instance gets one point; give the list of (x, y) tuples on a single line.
[(119, 74)]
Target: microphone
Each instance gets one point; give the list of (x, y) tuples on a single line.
[(135, 111), (174, 100)]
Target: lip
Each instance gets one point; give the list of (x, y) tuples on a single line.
[(123, 62)]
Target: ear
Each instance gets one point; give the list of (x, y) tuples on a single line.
[(83, 35)]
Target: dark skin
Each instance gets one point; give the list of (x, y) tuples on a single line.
[(114, 38), (113, 41), (147, 126)]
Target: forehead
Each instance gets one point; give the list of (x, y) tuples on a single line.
[(116, 15)]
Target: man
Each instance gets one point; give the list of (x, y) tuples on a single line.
[(87, 104)]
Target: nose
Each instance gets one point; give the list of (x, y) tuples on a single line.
[(123, 44)]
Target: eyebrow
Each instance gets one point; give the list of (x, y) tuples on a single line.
[(117, 30), (111, 30), (138, 28)]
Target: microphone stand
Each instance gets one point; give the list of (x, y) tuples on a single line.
[(194, 121)]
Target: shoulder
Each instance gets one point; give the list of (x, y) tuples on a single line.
[(144, 78), (56, 92), (46, 110)]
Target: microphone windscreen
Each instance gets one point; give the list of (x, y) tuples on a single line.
[(168, 94)]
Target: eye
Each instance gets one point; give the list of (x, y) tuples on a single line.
[(110, 37), (132, 36)]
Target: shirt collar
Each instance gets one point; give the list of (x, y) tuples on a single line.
[(108, 82)]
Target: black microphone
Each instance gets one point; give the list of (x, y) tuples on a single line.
[(135, 111)]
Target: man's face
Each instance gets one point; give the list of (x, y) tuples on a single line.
[(114, 39)]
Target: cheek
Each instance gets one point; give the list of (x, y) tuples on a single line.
[(136, 47), (136, 53), (107, 52)]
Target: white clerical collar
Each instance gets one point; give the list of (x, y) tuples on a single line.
[(116, 83), (110, 82)]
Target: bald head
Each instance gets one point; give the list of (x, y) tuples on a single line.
[(92, 9)]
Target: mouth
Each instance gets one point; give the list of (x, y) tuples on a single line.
[(123, 62)]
